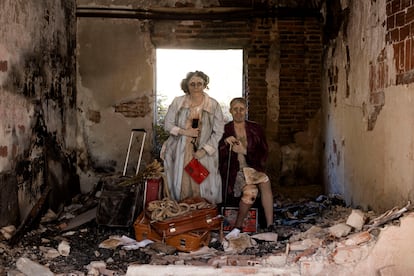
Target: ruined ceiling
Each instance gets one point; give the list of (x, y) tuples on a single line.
[(188, 10)]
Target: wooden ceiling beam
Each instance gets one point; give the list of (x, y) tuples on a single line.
[(224, 13)]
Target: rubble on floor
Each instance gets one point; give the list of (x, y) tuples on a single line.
[(310, 237)]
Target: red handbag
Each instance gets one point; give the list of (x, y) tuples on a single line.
[(196, 170)]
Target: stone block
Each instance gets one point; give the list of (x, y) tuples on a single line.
[(356, 219), (305, 244), (340, 230)]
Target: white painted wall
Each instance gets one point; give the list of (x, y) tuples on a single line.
[(370, 168)]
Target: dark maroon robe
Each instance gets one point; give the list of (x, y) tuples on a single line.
[(257, 151)]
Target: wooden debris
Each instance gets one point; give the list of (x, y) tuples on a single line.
[(390, 215), (32, 218), (79, 220)]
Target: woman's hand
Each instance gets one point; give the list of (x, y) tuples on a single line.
[(199, 154), (231, 140), (190, 132)]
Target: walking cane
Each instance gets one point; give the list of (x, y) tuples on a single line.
[(225, 195), (227, 180)]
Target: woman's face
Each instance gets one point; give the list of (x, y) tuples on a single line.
[(196, 85), (238, 111)]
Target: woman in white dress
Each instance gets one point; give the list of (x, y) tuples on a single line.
[(195, 123)]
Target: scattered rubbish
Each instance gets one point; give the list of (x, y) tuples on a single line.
[(337, 236), (390, 215), (127, 243), (238, 244), (233, 234)]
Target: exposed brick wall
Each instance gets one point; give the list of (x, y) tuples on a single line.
[(300, 74), (201, 34), (301, 52), (257, 63), (400, 30)]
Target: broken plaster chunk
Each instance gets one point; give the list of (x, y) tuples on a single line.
[(356, 219), (313, 232), (275, 260), (358, 238), (111, 243), (95, 267), (8, 231), (305, 244), (29, 267), (69, 233), (349, 254), (49, 216), (268, 236), (49, 252), (233, 234), (64, 248), (340, 230), (43, 240), (238, 244)]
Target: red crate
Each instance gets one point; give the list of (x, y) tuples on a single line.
[(250, 222)]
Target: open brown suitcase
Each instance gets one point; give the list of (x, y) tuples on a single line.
[(188, 241), (143, 229), (199, 219)]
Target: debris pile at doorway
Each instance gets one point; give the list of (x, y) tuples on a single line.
[(309, 236)]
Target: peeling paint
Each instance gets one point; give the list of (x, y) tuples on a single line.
[(139, 107), (3, 65), (94, 116), (3, 151)]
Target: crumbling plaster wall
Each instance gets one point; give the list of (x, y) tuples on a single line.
[(37, 105), (368, 117), (115, 94)]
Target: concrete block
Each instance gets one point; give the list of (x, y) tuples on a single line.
[(305, 244), (356, 219), (340, 230)]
